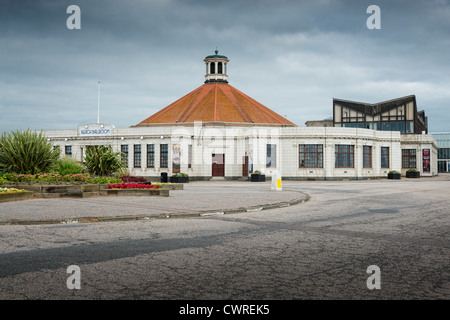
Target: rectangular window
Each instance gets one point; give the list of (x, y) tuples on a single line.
[(150, 156), (385, 157), (310, 156), (124, 151), (190, 156), (137, 155), (271, 156), (164, 156), (344, 156), (58, 149), (367, 156), (408, 158), (68, 151)]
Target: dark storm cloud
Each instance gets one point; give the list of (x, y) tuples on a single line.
[(293, 56)]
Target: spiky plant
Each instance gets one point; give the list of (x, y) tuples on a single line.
[(26, 152), (102, 160)]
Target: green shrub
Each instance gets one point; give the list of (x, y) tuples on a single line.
[(180, 174), (103, 161), (98, 180), (68, 165), (26, 152), (55, 178), (412, 170)]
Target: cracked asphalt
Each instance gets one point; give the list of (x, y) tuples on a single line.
[(319, 249)]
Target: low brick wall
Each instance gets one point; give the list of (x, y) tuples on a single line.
[(171, 186), (15, 196), (61, 190), (90, 190), (135, 192)]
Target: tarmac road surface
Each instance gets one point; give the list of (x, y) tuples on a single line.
[(323, 248)]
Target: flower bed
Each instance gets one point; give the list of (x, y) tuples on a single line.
[(10, 190), (132, 185), (135, 189), (14, 194), (133, 179), (55, 178)]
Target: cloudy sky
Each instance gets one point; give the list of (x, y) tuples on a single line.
[(292, 56)]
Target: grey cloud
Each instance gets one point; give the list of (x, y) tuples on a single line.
[(293, 56)]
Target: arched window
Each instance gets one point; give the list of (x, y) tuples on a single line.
[(212, 67), (219, 68)]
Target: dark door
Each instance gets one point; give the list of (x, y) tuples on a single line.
[(218, 165), (245, 167)]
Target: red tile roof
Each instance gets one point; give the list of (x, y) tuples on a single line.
[(216, 102)]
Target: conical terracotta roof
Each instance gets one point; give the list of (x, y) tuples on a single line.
[(216, 102)]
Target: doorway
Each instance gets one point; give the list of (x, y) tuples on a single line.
[(218, 165), (245, 167)]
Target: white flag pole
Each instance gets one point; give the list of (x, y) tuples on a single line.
[(98, 103)]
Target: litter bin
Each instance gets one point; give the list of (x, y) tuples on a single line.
[(163, 177)]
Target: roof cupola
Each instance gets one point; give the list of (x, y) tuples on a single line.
[(216, 68)]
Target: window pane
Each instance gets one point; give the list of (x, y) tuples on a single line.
[(385, 157), (271, 156), (137, 155), (150, 155), (367, 156), (164, 156), (124, 151), (344, 156), (310, 156)]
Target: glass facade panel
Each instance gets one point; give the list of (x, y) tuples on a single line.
[(354, 125), (444, 153), (443, 166), (409, 127), (442, 139)]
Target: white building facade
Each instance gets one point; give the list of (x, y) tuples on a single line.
[(217, 132), (297, 153)]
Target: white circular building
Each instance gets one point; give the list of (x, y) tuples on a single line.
[(218, 132)]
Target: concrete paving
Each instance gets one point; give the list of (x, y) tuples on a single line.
[(197, 199)]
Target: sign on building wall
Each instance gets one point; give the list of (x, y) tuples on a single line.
[(426, 160), (94, 131), (175, 158)]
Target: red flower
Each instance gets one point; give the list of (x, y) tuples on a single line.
[(132, 185)]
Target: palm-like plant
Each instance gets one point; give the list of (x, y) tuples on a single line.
[(26, 152), (102, 160)]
